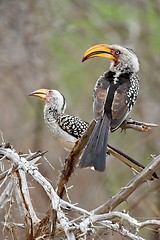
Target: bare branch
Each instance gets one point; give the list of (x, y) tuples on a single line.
[(33, 171), (7, 173), (72, 160), (88, 222), (109, 219), (26, 197), (130, 162), (6, 194), (105, 224), (130, 187), (11, 224), (74, 155), (34, 157), (121, 217), (137, 125), (71, 207), (23, 210)]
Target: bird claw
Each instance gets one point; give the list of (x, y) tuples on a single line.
[(137, 125), (145, 129)]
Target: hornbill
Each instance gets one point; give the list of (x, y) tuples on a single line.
[(114, 95), (67, 129)]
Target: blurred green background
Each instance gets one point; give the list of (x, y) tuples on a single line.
[(41, 46)]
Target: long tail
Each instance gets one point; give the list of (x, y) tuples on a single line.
[(95, 152)]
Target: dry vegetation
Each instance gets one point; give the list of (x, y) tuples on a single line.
[(64, 220), (41, 45)]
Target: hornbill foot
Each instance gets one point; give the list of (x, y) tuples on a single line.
[(137, 125)]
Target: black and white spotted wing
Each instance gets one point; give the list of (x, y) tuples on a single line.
[(72, 125)]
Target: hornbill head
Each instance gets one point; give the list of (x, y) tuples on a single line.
[(123, 59), (53, 99)]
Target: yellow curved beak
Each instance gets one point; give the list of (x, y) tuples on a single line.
[(100, 50), (41, 93)]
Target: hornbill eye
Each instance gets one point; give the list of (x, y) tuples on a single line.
[(117, 52)]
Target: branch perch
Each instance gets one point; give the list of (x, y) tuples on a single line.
[(89, 222), (137, 125), (33, 171), (130, 187), (72, 160)]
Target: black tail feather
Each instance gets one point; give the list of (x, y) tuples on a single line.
[(100, 158), (95, 151), (86, 159)]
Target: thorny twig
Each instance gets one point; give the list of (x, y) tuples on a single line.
[(89, 221), (130, 187)]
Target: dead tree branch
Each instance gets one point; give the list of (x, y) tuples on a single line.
[(137, 125), (72, 160), (6, 194), (130, 187), (99, 219)]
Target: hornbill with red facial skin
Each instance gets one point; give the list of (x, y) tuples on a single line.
[(114, 95)]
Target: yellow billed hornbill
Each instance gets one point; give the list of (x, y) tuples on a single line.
[(66, 129), (114, 95)]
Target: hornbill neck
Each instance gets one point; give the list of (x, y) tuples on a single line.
[(125, 66), (54, 107), (50, 112)]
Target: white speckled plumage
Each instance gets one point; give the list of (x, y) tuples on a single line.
[(66, 129), (114, 95)]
